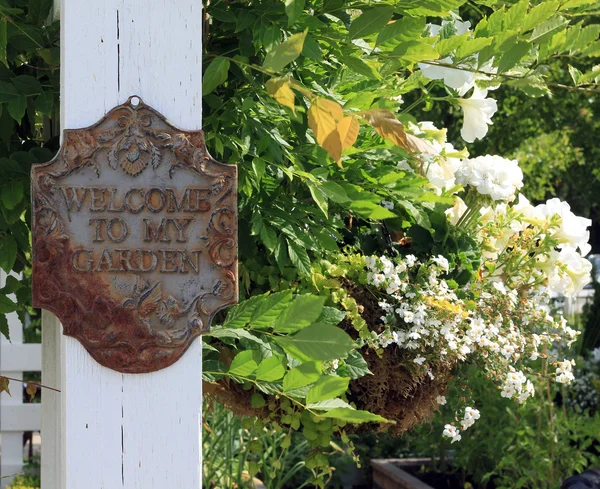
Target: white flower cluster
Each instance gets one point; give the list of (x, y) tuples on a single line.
[(424, 316), (491, 175), (517, 386), (561, 238), (564, 371), (470, 416)]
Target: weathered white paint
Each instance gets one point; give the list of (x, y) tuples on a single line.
[(15, 417), (127, 431)]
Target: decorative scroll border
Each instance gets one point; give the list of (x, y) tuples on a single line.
[(85, 305)]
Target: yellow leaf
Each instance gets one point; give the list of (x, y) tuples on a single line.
[(4, 385), (323, 117), (31, 390), (386, 125), (348, 130), (279, 89), (333, 145)]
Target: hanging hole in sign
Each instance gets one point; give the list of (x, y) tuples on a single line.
[(135, 101)]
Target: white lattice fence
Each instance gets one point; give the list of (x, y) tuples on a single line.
[(16, 416)]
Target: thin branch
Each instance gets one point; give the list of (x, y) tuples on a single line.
[(33, 383), (510, 77)]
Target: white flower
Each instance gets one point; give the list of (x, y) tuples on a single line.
[(335, 364), (411, 260), (460, 78), (491, 175), (573, 229), (456, 212), (441, 400), (571, 272), (564, 372), (419, 360), (478, 115), (371, 263), (452, 432), (499, 286), (442, 262)]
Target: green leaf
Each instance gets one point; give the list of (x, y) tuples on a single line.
[(415, 51), (7, 92), (319, 199), (515, 15), (293, 9), (575, 74), (268, 236), (299, 257), (3, 41), (285, 53), (215, 74), (244, 364), (312, 50), (467, 48), (370, 21), (515, 54), (223, 15), (8, 252), (359, 66), (304, 310), (270, 309), (17, 106), (331, 315), (39, 10), (271, 369), (587, 36), (237, 333), (257, 401), (539, 14), (238, 316), (544, 32), (12, 194), (405, 29), (11, 285), (329, 404), (6, 305), (371, 210), (302, 375), (446, 46), (357, 365), (27, 85), (4, 329), (317, 342), (431, 7), (353, 415), (335, 192), (44, 103), (327, 387)]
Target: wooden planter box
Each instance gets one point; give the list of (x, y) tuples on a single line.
[(388, 473)]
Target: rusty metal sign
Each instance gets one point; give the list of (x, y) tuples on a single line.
[(134, 238)]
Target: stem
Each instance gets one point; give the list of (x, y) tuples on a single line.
[(33, 383)]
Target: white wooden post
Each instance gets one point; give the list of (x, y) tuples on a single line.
[(15, 416), (133, 431)]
